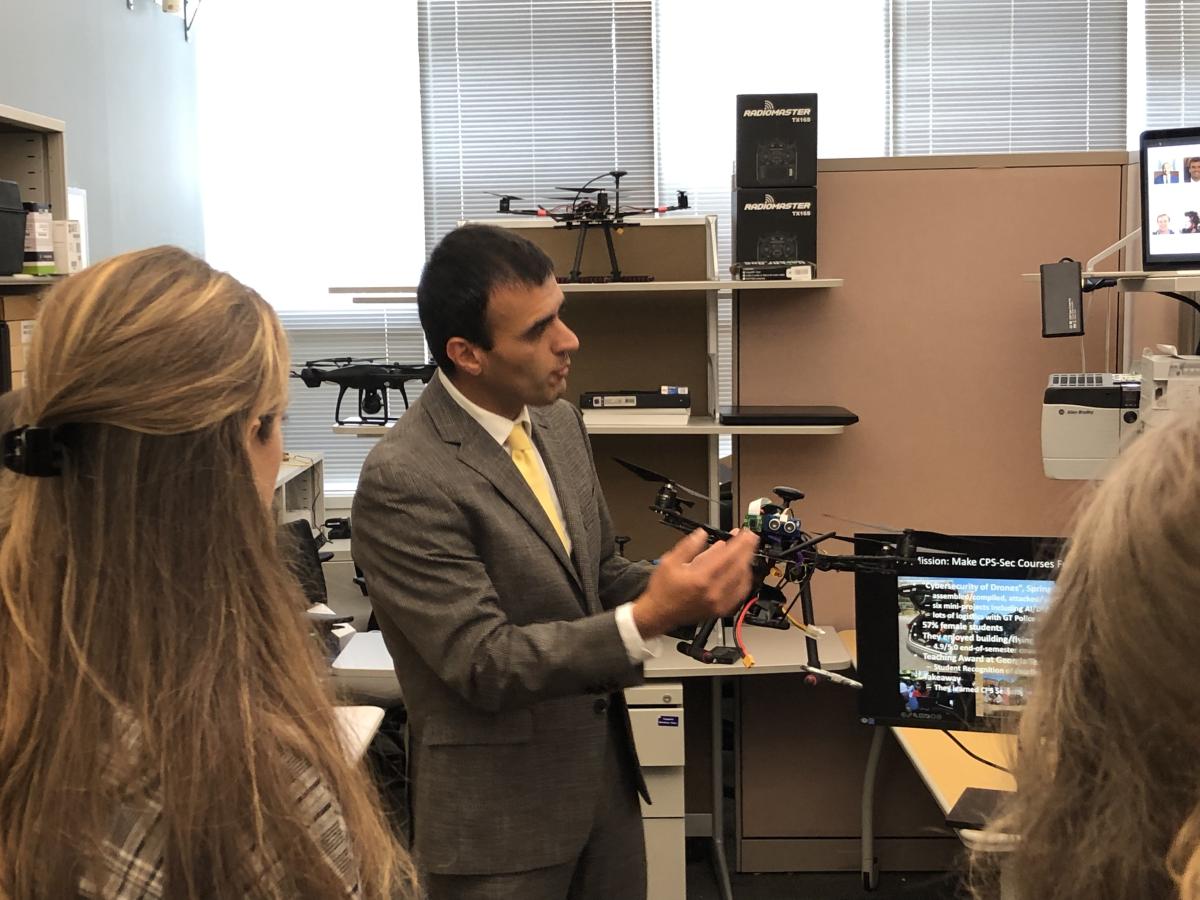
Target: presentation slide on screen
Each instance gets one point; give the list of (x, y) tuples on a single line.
[(1173, 198), (965, 645)]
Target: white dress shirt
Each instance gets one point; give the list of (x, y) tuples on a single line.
[(500, 427)]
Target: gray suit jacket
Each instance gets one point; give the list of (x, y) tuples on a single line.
[(506, 648)]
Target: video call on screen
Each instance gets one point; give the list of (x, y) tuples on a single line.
[(1173, 198)]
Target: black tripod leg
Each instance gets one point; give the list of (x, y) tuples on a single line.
[(806, 613), (612, 253), (575, 270)]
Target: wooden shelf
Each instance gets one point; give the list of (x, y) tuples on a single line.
[(408, 294), (27, 284), (696, 425)]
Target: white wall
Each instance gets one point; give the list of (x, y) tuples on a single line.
[(125, 84)]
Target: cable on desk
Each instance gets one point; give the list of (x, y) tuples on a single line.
[(747, 659), (975, 756)]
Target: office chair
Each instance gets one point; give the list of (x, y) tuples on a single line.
[(303, 557)]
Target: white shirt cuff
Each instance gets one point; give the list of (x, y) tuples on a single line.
[(635, 647)]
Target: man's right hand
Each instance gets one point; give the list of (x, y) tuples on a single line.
[(691, 584)]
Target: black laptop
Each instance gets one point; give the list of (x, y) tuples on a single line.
[(787, 415)]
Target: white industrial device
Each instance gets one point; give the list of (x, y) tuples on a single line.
[(1089, 418)]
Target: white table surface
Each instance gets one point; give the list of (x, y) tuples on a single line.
[(775, 652)]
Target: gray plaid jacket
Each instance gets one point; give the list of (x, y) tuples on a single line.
[(130, 864), (506, 648)]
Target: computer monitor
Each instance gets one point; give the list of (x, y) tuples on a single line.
[(944, 642), (1170, 163)]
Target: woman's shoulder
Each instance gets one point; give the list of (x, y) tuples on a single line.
[(131, 859)]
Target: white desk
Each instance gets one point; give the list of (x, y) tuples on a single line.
[(358, 725), (363, 670), (775, 652), (946, 770)]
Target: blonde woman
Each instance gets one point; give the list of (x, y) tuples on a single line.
[(1108, 767), (164, 730)]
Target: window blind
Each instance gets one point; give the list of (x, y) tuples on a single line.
[(1005, 76), (380, 332), (1172, 63), (523, 96)]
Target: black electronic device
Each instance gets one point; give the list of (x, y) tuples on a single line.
[(776, 140), (371, 379), (338, 528), (774, 227), (1062, 299), (625, 400), (587, 208), (1170, 189), (787, 415), (943, 636), (12, 229)]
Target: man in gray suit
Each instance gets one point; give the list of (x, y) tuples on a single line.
[(513, 624)]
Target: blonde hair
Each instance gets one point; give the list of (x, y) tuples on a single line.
[(142, 593), (1108, 760)]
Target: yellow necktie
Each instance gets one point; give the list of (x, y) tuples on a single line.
[(526, 462)]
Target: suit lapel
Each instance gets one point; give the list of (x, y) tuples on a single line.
[(550, 446), (478, 450)]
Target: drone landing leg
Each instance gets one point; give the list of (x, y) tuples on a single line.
[(575, 269), (806, 614), (337, 410), (612, 253)]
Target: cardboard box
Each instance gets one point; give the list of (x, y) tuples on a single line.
[(18, 307), (68, 247), (776, 140), (20, 336), (775, 227)]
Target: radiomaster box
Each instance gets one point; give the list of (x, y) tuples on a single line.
[(773, 227), (776, 140)]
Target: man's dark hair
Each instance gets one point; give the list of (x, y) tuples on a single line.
[(464, 268)]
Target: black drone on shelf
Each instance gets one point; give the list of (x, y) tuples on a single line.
[(587, 208), (788, 555), (371, 379)]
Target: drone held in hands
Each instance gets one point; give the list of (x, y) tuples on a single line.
[(371, 379), (787, 557), (589, 207)]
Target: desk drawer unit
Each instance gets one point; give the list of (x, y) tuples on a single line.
[(658, 734), (656, 713)]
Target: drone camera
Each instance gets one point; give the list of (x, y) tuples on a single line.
[(372, 402)]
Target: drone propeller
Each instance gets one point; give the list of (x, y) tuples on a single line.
[(337, 361), (650, 475), (503, 196), (936, 535), (893, 530), (577, 190)]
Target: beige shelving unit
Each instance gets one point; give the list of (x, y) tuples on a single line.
[(33, 154)]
